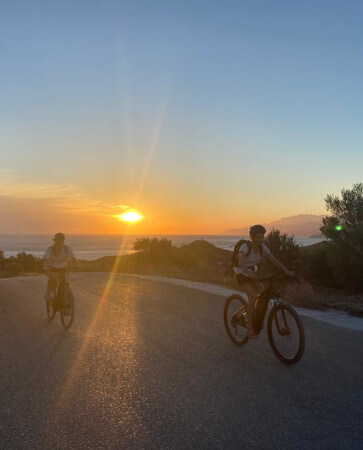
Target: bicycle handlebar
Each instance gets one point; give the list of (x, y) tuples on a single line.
[(279, 277)]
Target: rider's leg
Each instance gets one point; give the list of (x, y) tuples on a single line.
[(52, 281), (251, 294), (258, 286)]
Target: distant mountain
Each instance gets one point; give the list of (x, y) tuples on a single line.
[(301, 225)]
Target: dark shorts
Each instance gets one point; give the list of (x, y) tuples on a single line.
[(242, 279)]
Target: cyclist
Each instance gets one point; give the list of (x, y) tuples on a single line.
[(57, 257), (245, 273)]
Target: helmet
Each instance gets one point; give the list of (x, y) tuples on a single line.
[(255, 229), (59, 237)]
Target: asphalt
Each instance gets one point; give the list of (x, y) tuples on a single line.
[(149, 365)]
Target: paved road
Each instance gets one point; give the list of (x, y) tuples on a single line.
[(149, 366)]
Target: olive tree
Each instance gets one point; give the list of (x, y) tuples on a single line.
[(344, 228)]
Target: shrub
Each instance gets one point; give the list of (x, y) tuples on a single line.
[(154, 251), (283, 247), (315, 263), (161, 252), (14, 268), (28, 261), (344, 229)]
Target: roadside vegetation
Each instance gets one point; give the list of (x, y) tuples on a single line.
[(19, 264)]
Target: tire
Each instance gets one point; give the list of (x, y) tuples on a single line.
[(50, 305), (67, 308), (236, 325), (51, 312), (283, 325)]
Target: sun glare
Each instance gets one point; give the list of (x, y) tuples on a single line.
[(130, 216)]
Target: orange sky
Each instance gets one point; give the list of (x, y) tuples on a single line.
[(29, 206), (203, 119)]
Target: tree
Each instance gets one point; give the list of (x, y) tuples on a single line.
[(14, 268), (344, 229), (152, 245), (346, 220), (27, 260), (154, 251), (283, 246), (142, 244)]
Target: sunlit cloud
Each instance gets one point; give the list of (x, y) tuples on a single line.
[(68, 198), (16, 187)]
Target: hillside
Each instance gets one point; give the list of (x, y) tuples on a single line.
[(202, 261), (199, 261)]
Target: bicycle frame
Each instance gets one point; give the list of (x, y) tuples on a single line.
[(61, 299), (267, 297), (62, 275), (62, 281), (283, 323)]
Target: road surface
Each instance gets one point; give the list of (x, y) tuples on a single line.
[(149, 365)]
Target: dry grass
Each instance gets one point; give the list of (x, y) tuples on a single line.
[(301, 293)]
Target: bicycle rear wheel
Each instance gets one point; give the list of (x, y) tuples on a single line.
[(235, 319), (286, 334), (67, 308)]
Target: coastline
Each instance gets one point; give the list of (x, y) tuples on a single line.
[(91, 247)]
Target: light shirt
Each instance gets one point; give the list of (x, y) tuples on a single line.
[(252, 259), (59, 261)]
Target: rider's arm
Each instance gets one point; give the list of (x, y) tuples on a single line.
[(278, 264), (73, 261)]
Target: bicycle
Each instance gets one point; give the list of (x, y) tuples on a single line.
[(61, 299), (283, 323)]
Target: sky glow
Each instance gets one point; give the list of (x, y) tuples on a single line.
[(203, 115)]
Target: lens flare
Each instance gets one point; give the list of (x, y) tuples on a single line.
[(338, 228)]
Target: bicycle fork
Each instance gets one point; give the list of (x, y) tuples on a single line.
[(284, 329)]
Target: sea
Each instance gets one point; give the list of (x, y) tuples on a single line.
[(90, 246)]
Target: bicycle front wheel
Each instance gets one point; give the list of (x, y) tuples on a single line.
[(286, 334), (50, 309), (235, 319), (67, 308)]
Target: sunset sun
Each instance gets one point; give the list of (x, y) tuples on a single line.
[(130, 216)]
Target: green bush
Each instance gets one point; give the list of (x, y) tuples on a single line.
[(13, 268), (28, 261), (315, 263), (153, 251), (161, 252), (283, 247), (344, 229)]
